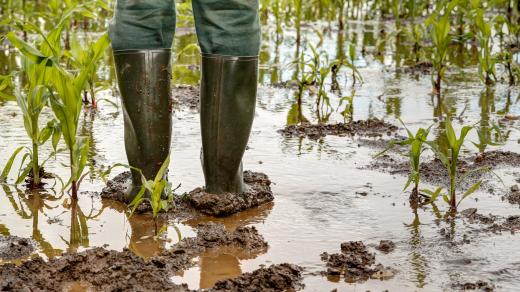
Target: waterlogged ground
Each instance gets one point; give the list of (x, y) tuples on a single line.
[(326, 191)]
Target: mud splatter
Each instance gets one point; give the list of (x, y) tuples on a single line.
[(282, 277), (371, 127), (230, 203), (14, 247), (355, 264), (107, 270), (513, 196)]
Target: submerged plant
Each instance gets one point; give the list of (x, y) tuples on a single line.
[(416, 143), (31, 101), (152, 191), (440, 34), (450, 161), (486, 69)]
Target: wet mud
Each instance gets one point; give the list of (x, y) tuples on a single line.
[(108, 270), (513, 197), (282, 277), (492, 223), (478, 285), (372, 128), (355, 264), (14, 247), (386, 246), (186, 96), (435, 172), (230, 203)]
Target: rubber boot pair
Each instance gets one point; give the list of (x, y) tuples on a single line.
[(227, 108)]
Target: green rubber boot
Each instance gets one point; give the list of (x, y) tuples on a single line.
[(145, 87), (227, 108)]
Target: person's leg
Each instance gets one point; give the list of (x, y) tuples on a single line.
[(229, 37), (142, 33)]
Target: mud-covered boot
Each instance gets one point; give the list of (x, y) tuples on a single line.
[(227, 108), (144, 83)]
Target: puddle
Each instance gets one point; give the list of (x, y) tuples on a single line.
[(324, 192)]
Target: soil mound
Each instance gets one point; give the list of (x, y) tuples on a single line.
[(355, 263), (229, 203), (371, 127), (14, 247), (282, 277)]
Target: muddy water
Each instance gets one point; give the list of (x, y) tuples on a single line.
[(324, 193)]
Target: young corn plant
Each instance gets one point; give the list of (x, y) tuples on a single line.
[(88, 59), (450, 161), (416, 143), (440, 35), (152, 191), (32, 101), (487, 71)]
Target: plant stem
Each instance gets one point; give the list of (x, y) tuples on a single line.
[(453, 198), (35, 166), (74, 183)]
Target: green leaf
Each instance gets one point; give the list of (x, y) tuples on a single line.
[(471, 190), (9, 165)]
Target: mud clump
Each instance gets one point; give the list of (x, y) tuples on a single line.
[(186, 96), (14, 247), (355, 263), (220, 205), (513, 197), (495, 158), (478, 285), (106, 270), (282, 277), (386, 246), (492, 223), (371, 127)]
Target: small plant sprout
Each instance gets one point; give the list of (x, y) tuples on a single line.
[(32, 100), (450, 162), (486, 69), (440, 36), (87, 59), (416, 144), (152, 191)]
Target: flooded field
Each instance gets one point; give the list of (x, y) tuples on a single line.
[(328, 189)]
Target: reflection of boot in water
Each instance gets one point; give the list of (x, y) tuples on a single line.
[(215, 267), (142, 239)]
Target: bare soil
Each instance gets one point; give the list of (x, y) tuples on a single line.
[(355, 263), (14, 247), (186, 96), (282, 277), (220, 205), (492, 223), (108, 270), (386, 246), (478, 285), (371, 127)]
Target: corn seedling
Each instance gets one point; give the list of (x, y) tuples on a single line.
[(440, 35), (486, 60), (450, 161), (32, 101), (152, 191), (348, 109), (87, 59), (416, 143)]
